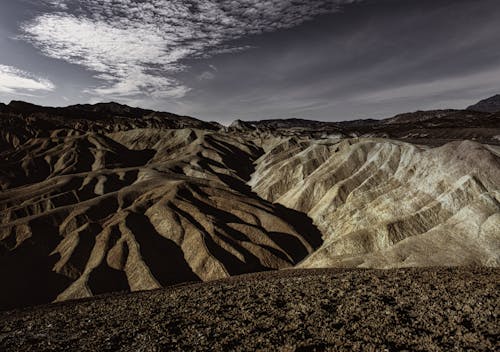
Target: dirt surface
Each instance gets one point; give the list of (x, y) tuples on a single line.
[(438, 309)]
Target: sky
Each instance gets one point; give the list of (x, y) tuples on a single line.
[(224, 59)]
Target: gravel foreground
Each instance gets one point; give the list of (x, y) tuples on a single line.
[(438, 309)]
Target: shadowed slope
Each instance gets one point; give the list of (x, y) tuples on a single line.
[(164, 207)]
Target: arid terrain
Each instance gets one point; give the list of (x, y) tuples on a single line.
[(434, 309), (97, 199)]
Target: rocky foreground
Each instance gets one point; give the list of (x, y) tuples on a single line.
[(433, 309)]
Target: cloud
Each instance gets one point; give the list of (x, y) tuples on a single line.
[(136, 46), (206, 76), (478, 81), (14, 80)]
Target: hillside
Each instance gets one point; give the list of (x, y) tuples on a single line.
[(105, 198), (491, 104)]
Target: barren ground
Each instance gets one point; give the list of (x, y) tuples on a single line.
[(436, 309)]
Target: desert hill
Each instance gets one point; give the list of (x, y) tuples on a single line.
[(491, 104), (87, 214), (20, 121), (382, 203), (103, 198)]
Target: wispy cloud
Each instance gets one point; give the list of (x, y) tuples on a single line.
[(484, 80), (206, 76), (14, 80), (136, 46)]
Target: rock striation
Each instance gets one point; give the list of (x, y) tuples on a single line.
[(384, 204)]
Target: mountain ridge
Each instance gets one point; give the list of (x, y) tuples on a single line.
[(109, 109)]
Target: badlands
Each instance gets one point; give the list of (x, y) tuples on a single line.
[(105, 198)]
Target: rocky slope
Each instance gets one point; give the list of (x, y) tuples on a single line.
[(382, 203), (103, 198), (431, 309), (491, 104), (136, 210)]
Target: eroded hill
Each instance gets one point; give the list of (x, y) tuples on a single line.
[(384, 203), (107, 198)]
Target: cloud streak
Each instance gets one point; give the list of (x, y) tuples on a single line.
[(136, 46), (14, 80)]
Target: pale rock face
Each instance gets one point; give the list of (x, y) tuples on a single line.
[(382, 203)]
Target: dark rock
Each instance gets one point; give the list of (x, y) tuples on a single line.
[(491, 104)]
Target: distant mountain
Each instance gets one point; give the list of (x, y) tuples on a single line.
[(101, 112), (418, 116), (491, 104), (20, 121), (433, 127)]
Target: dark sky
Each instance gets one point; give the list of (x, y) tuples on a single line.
[(224, 59)]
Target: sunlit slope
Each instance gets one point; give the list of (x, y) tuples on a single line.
[(383, 203)]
